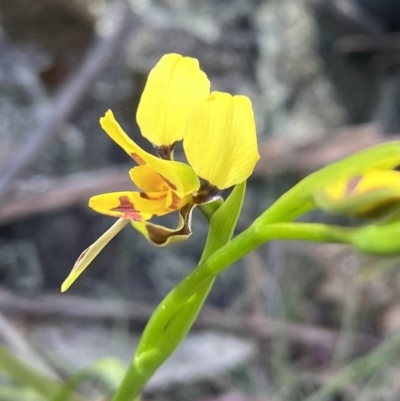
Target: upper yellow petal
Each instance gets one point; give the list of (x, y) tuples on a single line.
[(178, 176), (174, 86), (221, 141)]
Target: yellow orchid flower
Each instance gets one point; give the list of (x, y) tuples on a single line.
[(219, 140), (374, 194)]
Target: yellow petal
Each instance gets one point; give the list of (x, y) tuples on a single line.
[(179, 176), (221, 141), (90, 253), (147, 179), (337, 190), (174, 86), (377, 179), (163, 236), (139, 206), (374, 194)]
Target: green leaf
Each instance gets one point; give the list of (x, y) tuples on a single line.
[(109, 370), (26, 375), (8, 393)]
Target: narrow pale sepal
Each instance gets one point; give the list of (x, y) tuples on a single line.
[(90, 253), (162, 236), (374, 194)]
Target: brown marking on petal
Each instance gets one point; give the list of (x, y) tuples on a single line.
[(137, 159), (158, 235), (127, 209), (145, 195), (169, 183), (206, 193), (166, 151), (352, 184), (176, 200)]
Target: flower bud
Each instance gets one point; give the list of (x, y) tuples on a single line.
[(378, 239), (372, 195)]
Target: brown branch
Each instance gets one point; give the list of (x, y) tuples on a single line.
[(70, 95), (63, 192), (279, 156), (369, 43)]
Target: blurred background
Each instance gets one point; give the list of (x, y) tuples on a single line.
[(289, 322)]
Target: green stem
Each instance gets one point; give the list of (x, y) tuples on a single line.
[(201, 279), (169, 315), (246, 242)]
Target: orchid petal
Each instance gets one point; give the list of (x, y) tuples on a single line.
[(162, 236), (374, 194), (221, 142), (174, 86), (178, 176)]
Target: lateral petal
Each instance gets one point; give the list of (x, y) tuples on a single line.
[(90, 253), (147, 179), (174, 86), (221, 141), (162, 236), (178, 176), (139, 206)]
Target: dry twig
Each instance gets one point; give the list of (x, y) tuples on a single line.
[(369, 43), (55, 194)]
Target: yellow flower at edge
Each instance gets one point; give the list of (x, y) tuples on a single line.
[(219, 140), (374, 194)]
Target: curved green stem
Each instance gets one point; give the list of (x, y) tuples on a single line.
[(171, 321), (246, 242), (200, 278)]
